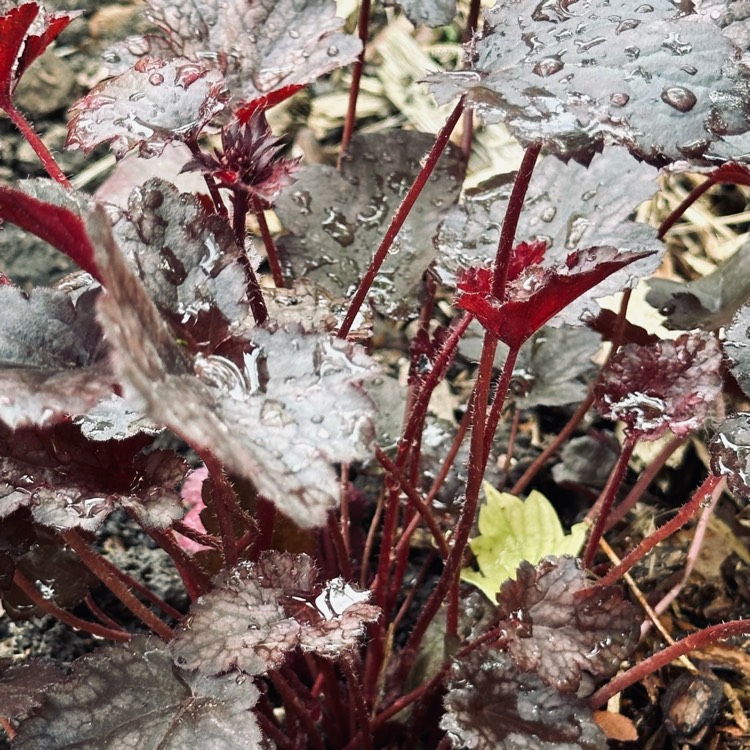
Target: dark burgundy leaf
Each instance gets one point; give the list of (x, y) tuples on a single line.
[(737, 347), (554, 366), (59, 226), (260, 47), (53, 361), (153, 103), (561, 626), (25, 32), (336, 219), (23, 686), (429, 12), (68, 482), (577, 75), (541, 292), (258, 613), (188, 261), (132, 695), (569, 207), (730, 453), (247, 161), (279, 414), (670, 385), (492, 705)]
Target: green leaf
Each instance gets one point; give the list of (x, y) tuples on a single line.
[(512, 530)]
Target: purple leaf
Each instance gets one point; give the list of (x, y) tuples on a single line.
[(260, 47), (669, 385), (569, 207), (492, 705), (153, 103), (132, 695), (65, 484), (561, 626), (576, 76), (335, 220), (730, 453), (258, 613), (53, 361), (23, 686), (279, 413)]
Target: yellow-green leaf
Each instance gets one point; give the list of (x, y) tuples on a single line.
[(512, 530)]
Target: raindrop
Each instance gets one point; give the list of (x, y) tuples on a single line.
[(619, 99), (682, 99), (676, 46), (332, 51), (626, 25), (156, 79), (548, 66)]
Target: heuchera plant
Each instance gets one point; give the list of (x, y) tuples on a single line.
[(311, 611)]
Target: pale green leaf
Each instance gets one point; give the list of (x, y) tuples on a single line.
[(512, 530)]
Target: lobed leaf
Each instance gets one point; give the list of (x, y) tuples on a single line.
[(258, 613), (65, 484), (334, 220), (512, 530), (279, 413), (153, 103), (562, 627), (669, 385), (259, 47), (578, 75), (132, 695), (493, 705)]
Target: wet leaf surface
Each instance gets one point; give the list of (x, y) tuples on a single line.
[(258, 613), (335, 221), (577, 76)]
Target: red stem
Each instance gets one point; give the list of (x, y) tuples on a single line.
[(100, 631), (685, 513), (40, 149), (700, 639), (510, 222), (398, 219), (357, 68), (103, 570), (604, 503), (265, 233)]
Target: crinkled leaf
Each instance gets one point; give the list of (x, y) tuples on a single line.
[(737, 347), (560, 626), (153, 103), (23, 686), (132, 695), (26, 30), (335, 220), (53, 361), (670, 385), (279, 415), (554, 366), (69, 483), (429, 12), (492, 705), (260, 47), (258, 613), (730, 452), (56, 224), (567, 206), (512, 530), (540, 292), (708, 302), (188, 261), (578, 75)]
